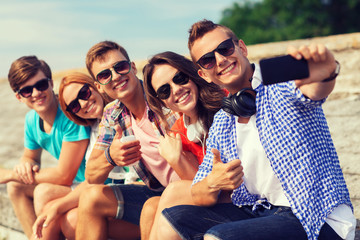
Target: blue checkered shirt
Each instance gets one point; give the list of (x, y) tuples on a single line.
[(295, 136)]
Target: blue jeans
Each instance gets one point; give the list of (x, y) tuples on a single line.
[(227, 221), (131, 198)]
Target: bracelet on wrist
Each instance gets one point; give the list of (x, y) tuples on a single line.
[(334, 74), (108, 157)]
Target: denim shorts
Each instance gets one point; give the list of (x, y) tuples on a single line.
[(227, 221), (131, 198)]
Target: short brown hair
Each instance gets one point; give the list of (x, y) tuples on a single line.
[(99, 50), (77, 77), (200, 28), (24, 68)]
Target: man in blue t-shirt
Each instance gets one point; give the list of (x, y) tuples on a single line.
[(46, 127)]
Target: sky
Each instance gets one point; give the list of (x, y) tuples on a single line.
[(62, 31)]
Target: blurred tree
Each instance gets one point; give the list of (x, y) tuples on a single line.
[(280, 20)]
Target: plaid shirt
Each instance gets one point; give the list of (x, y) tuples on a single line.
[(294, 134), (115, 113)]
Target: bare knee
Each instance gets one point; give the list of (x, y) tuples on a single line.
[(150, 206), (42, 195), (92, 198), (68, 223), (165, 230), (16, 190)]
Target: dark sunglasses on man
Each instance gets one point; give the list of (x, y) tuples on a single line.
[(164, 91), (84, 94), (225, 48), (105, 76), (40, 85)]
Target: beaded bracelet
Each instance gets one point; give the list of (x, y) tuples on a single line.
[(108, 157)]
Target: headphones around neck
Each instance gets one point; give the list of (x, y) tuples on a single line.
[(194, 132), (242, 104)]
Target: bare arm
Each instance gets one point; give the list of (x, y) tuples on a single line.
[(97, 167), (71, 156), (185, 164), (321, 64), (8, 175), (58, 207), (224, 176), (29, 164), (122, 154)]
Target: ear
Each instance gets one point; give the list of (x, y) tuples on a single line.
[(243, 48), (18, 97), (203, 75), (99, 87), (133, 68)]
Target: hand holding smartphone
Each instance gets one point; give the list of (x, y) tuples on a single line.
[(129, 138), (125, 139), (283, 69)]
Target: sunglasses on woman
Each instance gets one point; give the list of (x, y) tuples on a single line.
[(105, 76), (208, 60), (41, 86), (84, 94), (164, 91)]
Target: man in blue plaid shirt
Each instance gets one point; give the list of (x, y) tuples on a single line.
[(277, 161)]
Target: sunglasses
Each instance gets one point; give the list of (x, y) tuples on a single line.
[(164, 91), (208, 60), (84, 94), (105, 76), (41, 85)]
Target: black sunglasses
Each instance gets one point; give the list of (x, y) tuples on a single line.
[(41, 85), (105, 76), (164, 91), (208, 60), (84, 94)]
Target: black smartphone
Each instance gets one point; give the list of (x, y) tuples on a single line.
[(282, 69)]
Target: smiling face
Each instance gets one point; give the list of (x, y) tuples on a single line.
[(121, 86), (232, 72), (183, 98), (40, 101), (91, 108)]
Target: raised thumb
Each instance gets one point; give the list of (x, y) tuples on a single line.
[(119, 132), (217, 158)]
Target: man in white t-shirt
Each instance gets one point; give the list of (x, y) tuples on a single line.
[(270, 146)]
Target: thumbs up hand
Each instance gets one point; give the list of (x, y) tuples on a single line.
[(124, 153), (225, 176)]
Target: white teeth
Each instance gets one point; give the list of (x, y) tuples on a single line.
[(228, 69), (183, 97), (90, 108), (121, 84)]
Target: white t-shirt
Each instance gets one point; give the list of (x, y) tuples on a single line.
[(259, 178)]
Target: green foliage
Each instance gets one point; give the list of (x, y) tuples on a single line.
[(280, 20)]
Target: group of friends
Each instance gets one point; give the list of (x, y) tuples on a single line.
[(164, 158)]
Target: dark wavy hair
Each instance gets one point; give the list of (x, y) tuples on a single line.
[(210, 94)]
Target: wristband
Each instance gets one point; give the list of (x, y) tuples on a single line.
[(334, 74), (108, 157)]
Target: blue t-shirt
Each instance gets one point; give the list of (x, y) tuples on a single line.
[(63, 130)]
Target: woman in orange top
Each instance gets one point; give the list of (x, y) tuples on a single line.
[(171, 82)]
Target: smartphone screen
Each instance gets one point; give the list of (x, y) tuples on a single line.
[(282, 69)]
